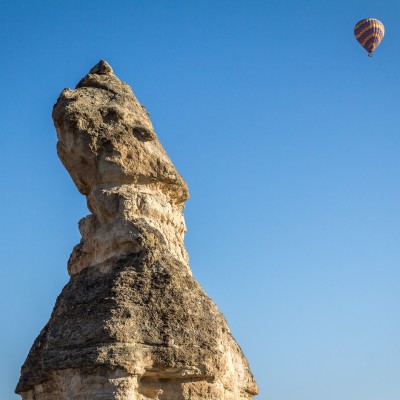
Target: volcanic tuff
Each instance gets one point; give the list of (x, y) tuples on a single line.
[(132, 322)]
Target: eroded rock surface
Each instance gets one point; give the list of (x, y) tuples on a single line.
[(132, 323)]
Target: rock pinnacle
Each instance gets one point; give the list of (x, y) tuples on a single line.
[(132, 323)]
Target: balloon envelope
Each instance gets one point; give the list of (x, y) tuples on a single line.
[(369, 32)]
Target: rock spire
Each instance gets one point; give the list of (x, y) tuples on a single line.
[(131, 323)]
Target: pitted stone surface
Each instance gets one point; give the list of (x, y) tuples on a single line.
[(132, 323)]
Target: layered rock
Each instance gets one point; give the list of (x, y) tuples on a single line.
[(132, 322)]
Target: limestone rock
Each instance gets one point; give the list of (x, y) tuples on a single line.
[(132, 322)]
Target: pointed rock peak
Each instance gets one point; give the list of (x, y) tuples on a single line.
[(102, 68), (102, 76)]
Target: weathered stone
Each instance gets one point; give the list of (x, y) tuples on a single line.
[(132, 323)]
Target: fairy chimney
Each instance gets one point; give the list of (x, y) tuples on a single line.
[(132, 322)]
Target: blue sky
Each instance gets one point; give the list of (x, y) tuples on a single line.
[(287, 134)]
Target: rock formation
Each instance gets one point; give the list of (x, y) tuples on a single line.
[(131, 323)]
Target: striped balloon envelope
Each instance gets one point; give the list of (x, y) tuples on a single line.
[(369, 32)]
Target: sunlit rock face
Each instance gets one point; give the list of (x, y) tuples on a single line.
[(132, 323)]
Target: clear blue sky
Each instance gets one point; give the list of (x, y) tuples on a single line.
[(289, 138)]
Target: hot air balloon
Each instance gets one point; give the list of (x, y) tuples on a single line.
[(369, 32)]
